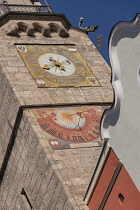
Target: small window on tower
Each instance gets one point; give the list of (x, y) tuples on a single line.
[(121, 198)]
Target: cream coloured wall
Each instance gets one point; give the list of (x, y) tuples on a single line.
[(121, 124)]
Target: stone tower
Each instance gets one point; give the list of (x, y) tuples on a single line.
[(54, 89)]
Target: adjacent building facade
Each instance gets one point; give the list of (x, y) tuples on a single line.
[(115, 183)]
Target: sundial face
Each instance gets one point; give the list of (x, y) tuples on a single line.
[(69, 125), (57, 66)]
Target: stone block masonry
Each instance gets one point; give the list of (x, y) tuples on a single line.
[(52, 180), (32, 174)]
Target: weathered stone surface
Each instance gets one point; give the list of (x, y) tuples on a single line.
[(51, 179)]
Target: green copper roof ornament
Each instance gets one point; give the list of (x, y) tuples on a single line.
[(86, 29)]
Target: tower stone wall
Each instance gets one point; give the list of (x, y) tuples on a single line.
[(30, 169), (20, 2)]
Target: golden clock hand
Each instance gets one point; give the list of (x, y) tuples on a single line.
[(46, 67), (62, 68)]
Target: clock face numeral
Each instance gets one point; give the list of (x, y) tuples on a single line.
[(44, 126), (60, 135), (70, 124), (57, 66)]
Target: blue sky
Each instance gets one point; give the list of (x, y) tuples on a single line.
[(105, 13)]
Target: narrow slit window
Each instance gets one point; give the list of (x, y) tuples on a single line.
[(121, 198), (26, 198)]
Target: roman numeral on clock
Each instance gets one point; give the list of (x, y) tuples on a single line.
[(52, 132)]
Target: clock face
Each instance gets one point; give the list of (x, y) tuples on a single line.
[(69, 125), (57, 66)]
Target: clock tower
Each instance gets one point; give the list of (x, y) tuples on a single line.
[(55, 87)]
